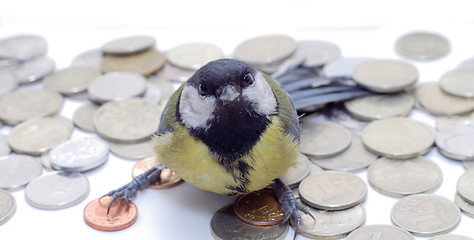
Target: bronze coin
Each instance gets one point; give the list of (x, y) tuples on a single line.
[(168, 178), (259, 208), (144, 63), (120, 216)]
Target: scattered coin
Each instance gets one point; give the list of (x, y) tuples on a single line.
[(402, 177), (375, 107), (121, 215), (18, 170), (36, 136), (333, 190), (451, 237), (323, 139), (422, 46), (84, 117), (126, 85), (129, 45), (314, 170), (338, 113), (398, 137), (385, 76), (468, 164), (331, 224), (167, 179), (143, 63), (8, 82), (34, 69), (465, 186), (173, 73), (57, 190), (290, 63), (22, 105), (354, 158), (7, 206), (79, 154), (425, 214), (4, 148), (458, 82), (91, 58), (166, 87), (23, 47), (455, 140), (226, 225), (444, 121), (468, 63), (153, 93), (194, 55), (46, 162), (466, 207), (343, 66), (137, 150), (71, 80), (318, 52), (380, 232), (130, 120), (296, 173), (259, 208), (265, 50), (438, 102)]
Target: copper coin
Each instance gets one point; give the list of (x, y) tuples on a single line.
[(168, 178), (259, 208), (120, 216)]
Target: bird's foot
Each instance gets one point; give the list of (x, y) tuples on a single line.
[(139, 183), (289, 204)]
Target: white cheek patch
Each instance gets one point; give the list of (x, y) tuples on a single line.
[(195, 111), (261, 96)]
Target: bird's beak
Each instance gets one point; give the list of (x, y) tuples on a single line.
[(229, 93)]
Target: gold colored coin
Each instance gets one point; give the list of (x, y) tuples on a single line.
[(167, 179), (144, 63), (120, 216), (259, 208)]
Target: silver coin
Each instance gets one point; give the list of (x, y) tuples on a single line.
[(381, 106), (26, 104), (354, 158), (339, 114), (8, 82), (468, 164), (83, 117), (454, 141), (91, 58), (466, 207), (379, 232), (166, 87), (7, 206), (116, 86), (465, 186), (385, 76), (57, 190), (226, 225), (23, 47), (296, 173), (426, 214), (398, 137), (458, 82), (46, 162), (468, 63), (79, 154), (34, 69), (71, 80), (194, 55), (444, 121), (173, 73), (331, 224), (137, 150), (323, 139), (333, 190), (36, 136), (118, 121), (343, 66), (432, 98), (451, 237), (129, 45), (318, 52), (266, 49), (422, 46), (314, 169), (290, 63), (18, 170), (402, 177), (4, 148), (153, 94)]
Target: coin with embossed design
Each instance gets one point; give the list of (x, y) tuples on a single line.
[(259, 208)]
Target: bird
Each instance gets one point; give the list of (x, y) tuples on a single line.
[(229, 129)]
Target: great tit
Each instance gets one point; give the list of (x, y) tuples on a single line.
[(229, 129)]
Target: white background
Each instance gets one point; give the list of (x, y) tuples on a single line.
[(360, 28)]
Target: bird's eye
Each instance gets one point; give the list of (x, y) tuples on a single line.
[(202, 89), (248, 79)]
